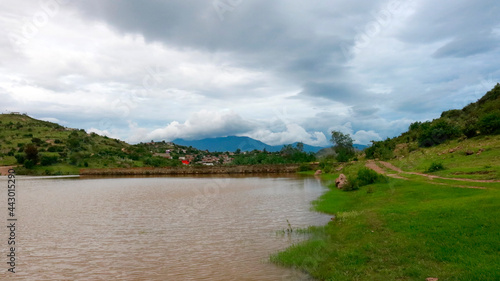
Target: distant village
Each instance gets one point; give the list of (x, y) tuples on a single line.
[(189, 155)]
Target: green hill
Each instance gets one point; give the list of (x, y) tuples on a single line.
[(481, 118), (44, 148), (60, 150)]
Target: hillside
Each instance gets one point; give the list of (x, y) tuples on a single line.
[(481, 118), (44, 148), (60, 150)]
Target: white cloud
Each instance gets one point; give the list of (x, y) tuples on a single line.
[(202, 124), (293, 133), (102, 133), (364, 137), (53, 120), (360, 136)]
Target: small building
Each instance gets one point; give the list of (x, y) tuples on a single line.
[(185, 162)]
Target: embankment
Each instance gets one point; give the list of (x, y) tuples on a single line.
[(192, 170)]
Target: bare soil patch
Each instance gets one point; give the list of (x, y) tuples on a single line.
[(4, 170)]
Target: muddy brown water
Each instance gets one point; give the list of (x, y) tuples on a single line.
[(158, 228)]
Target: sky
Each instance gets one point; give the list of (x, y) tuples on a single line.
[(278, 71)]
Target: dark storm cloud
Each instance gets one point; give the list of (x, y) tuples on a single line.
[(344, 92), (362, 66), (461, 21), (468, 46), (280, 35)]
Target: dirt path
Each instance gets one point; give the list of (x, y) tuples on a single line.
[(4, 170), (373, 165), (394, 168)]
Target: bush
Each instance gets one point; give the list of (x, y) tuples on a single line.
[(351, 185), (437, 133), (20, 158), (490, 124), (344, 154), (434, 167), (364, 177), (28, 164), (36, 141), (304, 167), (367, 176), (48, 160), (381, 149)]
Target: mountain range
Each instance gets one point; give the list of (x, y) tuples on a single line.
[(232, 143)]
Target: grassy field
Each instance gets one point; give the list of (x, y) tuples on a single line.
[(485, 165), (409, 229)]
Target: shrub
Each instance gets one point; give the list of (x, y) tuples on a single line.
[(28, 164), (344, 154), (48, 160), (364, 177), (36, 141), (490, 124), (304, 167), (367, 176), (381, 149), (351, 185), (20, 158), (437, 133), (434, 167)]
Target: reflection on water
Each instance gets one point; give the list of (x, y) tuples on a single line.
[(163, 228)]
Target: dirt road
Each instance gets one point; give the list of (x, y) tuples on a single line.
[(4, 170), (374, 166)]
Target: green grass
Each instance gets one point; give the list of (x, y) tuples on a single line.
[(486, 165), (404, 230), (57, 169)]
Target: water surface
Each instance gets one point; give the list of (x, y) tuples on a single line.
[(158, 228)]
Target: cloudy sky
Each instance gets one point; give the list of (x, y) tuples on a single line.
[(278, 71)]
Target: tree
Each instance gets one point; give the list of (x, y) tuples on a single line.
[(343, 146), (340, 139), (300, 146), (287, 150), (31, 153)]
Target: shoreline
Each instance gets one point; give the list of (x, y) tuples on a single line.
[(194, 170)]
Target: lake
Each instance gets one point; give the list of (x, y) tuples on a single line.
[(157, 228)]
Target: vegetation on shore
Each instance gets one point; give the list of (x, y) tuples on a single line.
[(412, 226), (403, 229), (43, 148)]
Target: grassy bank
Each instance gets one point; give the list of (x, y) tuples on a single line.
[(482, 163), (404, 230)]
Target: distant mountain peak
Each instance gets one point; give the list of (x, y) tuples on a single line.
[(232, 143)]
